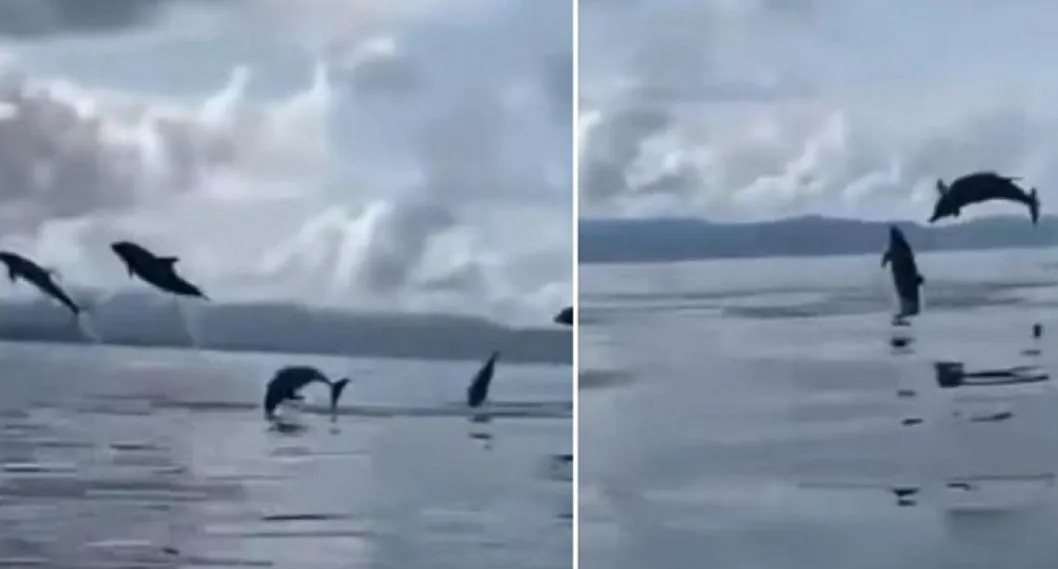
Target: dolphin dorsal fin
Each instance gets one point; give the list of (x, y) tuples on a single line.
[(169, 260)]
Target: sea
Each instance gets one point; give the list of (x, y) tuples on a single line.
[(757, 413), (119, 457)]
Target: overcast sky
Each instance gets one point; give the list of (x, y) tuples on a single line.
[(739, 109)]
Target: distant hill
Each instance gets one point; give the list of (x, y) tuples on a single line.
[(151, 320), (662, 240)]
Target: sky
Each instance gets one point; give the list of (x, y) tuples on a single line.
[(397, 156), (751, 109)]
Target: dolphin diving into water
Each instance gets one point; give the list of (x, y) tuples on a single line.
[(478, 390), (288, 381), (906, 278), (565, 316), (152, 269), (980, 187), (21, 267)]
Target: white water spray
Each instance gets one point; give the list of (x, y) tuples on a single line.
[(87, 327), (188, 316)]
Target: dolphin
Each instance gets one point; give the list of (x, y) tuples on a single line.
[(906, 278), (286, 383), (157, 271), (904, 491), (992, 418), (565, 316), (21, 267), (479, 386), (980, 187)]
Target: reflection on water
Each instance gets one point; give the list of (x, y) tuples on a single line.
[(754, 418), (116, 458)]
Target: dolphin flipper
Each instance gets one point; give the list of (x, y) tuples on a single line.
[(921, 280), (885, 258)]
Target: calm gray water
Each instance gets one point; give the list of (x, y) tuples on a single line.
[(744, 414), (139, 458)]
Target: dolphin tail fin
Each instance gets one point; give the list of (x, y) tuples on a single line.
[(1034, 206), (908, 307), (336, 392)]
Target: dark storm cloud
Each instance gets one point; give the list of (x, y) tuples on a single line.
[(32, 18)]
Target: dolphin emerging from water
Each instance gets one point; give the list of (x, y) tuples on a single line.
[(478, 390), (21, 267), (981, 187), (906, 277), (286, 383), (565, 316), (155, 270)]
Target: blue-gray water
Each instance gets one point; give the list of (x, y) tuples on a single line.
[(744, 414), (109, 456)]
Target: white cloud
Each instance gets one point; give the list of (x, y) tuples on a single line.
[(375, 177), (750, 109)]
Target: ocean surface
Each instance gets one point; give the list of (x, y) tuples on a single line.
[(751, 414), (114, 457)]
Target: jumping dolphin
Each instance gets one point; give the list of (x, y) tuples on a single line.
[(286, 383), (565, 316), (906, 277), (479, 386), (157, 271), (980, 187), (21, 267)]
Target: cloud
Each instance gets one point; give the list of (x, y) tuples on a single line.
[(31, 18), (414, 162), (744, 110)]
